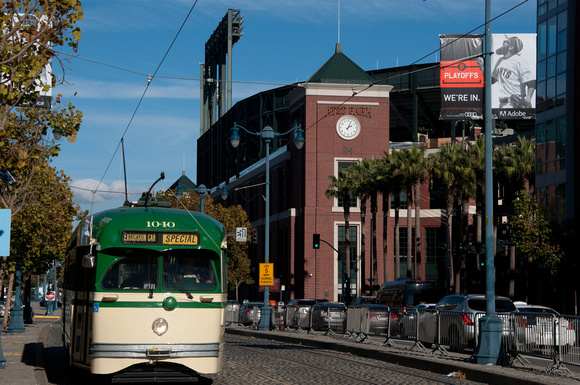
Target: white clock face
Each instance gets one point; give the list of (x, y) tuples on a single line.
[(348, 127)]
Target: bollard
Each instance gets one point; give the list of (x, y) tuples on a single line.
[(490, 334), (2, 359)]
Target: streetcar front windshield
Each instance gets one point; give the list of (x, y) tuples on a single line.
[(137, 270), (190, 270)]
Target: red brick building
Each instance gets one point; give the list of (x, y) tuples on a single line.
[(345, 117)]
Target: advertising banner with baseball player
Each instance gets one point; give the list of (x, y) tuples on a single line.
[(461, 77), (513, 90)]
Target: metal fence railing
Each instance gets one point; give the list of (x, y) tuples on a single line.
[(553, 337)]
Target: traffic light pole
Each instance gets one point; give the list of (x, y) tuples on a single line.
[(343, 265)]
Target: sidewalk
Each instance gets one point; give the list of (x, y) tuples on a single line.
[(23, 352), (424, 360)]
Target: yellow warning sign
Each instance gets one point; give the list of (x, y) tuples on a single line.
[(266, 274)]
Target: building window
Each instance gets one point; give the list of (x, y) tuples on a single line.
[(403, 243), (353, 256), (432, 249), (540, 148), (402, 203), (339, 166)]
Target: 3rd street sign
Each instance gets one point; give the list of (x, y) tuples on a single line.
[(241, 234)]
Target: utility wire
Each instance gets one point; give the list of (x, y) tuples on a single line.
[(374, 82), (149, 79)]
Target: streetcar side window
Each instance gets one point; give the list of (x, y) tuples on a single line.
[(192, 270), (135, 271)]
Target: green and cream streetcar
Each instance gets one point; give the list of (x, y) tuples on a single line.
[(144, 294)]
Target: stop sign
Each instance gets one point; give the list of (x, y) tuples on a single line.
[(50, 296)]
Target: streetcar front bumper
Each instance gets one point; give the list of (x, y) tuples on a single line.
[(154, 351)]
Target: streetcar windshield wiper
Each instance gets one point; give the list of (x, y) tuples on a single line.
[(177, 285)]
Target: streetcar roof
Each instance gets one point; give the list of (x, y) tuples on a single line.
[(108, 225)]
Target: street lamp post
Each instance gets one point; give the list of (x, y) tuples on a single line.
[(202, 190), (267, 135), (488, 350)]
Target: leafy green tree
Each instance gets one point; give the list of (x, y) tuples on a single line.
[(40, 230), (30, 30), (532, 235)]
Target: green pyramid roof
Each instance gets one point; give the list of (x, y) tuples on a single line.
[(185, 182), (340, 69)]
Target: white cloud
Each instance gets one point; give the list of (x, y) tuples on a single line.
[(90, 192)]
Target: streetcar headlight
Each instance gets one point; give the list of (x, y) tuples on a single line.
[(160, 326)]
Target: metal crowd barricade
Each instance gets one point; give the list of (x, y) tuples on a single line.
[(547, 336), (303, 318), (367, 320), (334, 319), (456, 330), (352, 321), (412, 329), (256, 314), (277, 319), (570, 353), (508, 330), (232, 314)]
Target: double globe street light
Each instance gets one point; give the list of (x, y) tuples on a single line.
[(267, 134)]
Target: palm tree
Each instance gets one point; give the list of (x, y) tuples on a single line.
[(341, 187), (392, 163), (452, 168), (388, 183), (364, 176), (476, 153), (443, 170), (414, 167), (360, 178), (520, 165)]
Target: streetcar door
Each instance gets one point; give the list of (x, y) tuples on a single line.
[(82, 309)]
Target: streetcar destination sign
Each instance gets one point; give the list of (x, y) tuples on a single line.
[(159, 238)]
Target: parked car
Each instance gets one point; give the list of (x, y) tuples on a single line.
[(458, 317), (408, 323), (535, 327), (364, 300), (247, 312), (297, 309), (378, 316), (328, 315)]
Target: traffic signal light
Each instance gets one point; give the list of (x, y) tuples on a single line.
[(316, 241), (254, 236)]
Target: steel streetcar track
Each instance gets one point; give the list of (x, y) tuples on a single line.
[(340, 356)]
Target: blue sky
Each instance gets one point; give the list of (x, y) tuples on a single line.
[(284, 41)]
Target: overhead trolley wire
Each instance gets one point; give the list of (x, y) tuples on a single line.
[(149, 79)]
